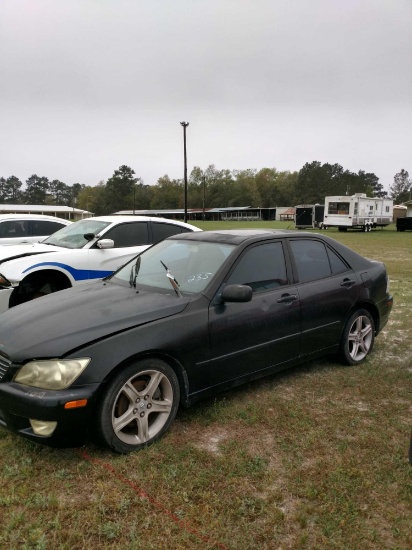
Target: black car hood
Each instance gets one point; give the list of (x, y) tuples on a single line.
[(57, 324)]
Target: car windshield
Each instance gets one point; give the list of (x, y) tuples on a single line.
[(73, 235), (175, 265)]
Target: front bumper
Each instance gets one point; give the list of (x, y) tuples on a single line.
[(19, 404)]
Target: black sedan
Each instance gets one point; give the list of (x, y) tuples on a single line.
[(195, 314)]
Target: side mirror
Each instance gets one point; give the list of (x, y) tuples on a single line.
[(105, 243), (89, 236), (237, 293)]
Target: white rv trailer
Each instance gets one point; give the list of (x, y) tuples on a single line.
[(357, 211)]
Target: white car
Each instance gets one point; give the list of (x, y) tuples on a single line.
[(28, 228), (84, 251)]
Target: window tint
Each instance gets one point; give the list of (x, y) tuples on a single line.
[(14, 228), (311, 260), (44, 227), (336, 263), (128, 234), (261, 267), (161, 231)]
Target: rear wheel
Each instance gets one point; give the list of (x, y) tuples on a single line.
[(139, 406), (357, 338)]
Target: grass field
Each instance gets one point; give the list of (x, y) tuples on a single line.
[(314, 457)]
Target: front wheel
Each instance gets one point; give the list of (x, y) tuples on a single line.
[(139, 406), (37, 285), (357, 337)]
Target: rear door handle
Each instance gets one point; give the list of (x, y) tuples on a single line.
[(348, 282), (287, 299)]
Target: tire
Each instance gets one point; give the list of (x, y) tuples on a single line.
[(138, 406), (357, 338)]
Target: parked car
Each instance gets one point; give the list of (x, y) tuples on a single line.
[(85, 250), (28, 228), (195, 314)]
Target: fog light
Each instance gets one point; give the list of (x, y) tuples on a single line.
[(42, 427)]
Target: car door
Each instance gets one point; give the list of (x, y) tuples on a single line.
[(14, 231), (246, 338), (129, 239), (40, 229), (327, 289), (162, 230)]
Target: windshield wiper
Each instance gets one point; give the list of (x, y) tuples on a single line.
[(134, 272), (172, 280)]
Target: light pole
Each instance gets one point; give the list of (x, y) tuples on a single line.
[(185, 125), (204, 193)]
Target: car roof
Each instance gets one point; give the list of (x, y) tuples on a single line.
[(249, 236), (119, 219), (31, 217), (238, 236)]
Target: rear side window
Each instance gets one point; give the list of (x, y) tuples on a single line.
[(41, 228), (14, 228), (161, 231), (128, 234), (336, 263), (261, 267), (311, 260)]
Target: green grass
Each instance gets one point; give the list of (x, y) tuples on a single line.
[(314, 457)]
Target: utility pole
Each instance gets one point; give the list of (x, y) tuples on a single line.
[(204, 185), (185, 125)]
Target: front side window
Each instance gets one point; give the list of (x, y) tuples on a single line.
[(128, 234), (262, 267)]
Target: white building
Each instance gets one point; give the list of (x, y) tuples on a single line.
[(66, 212)]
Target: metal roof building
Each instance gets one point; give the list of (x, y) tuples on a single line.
[(66, 212), (235, 213)]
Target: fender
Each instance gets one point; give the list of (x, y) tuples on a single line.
[(75, 274)]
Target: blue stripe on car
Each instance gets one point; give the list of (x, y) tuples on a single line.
[(77, 274)]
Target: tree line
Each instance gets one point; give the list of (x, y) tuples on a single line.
[(211, 188)]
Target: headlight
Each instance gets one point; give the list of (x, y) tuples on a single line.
[(4, 281), (53, 374)]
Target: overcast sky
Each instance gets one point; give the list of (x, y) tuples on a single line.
[(89, 85)]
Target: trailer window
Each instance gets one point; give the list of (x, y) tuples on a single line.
[(338, 208)]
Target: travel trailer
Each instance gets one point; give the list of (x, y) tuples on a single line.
[(357, 211)]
